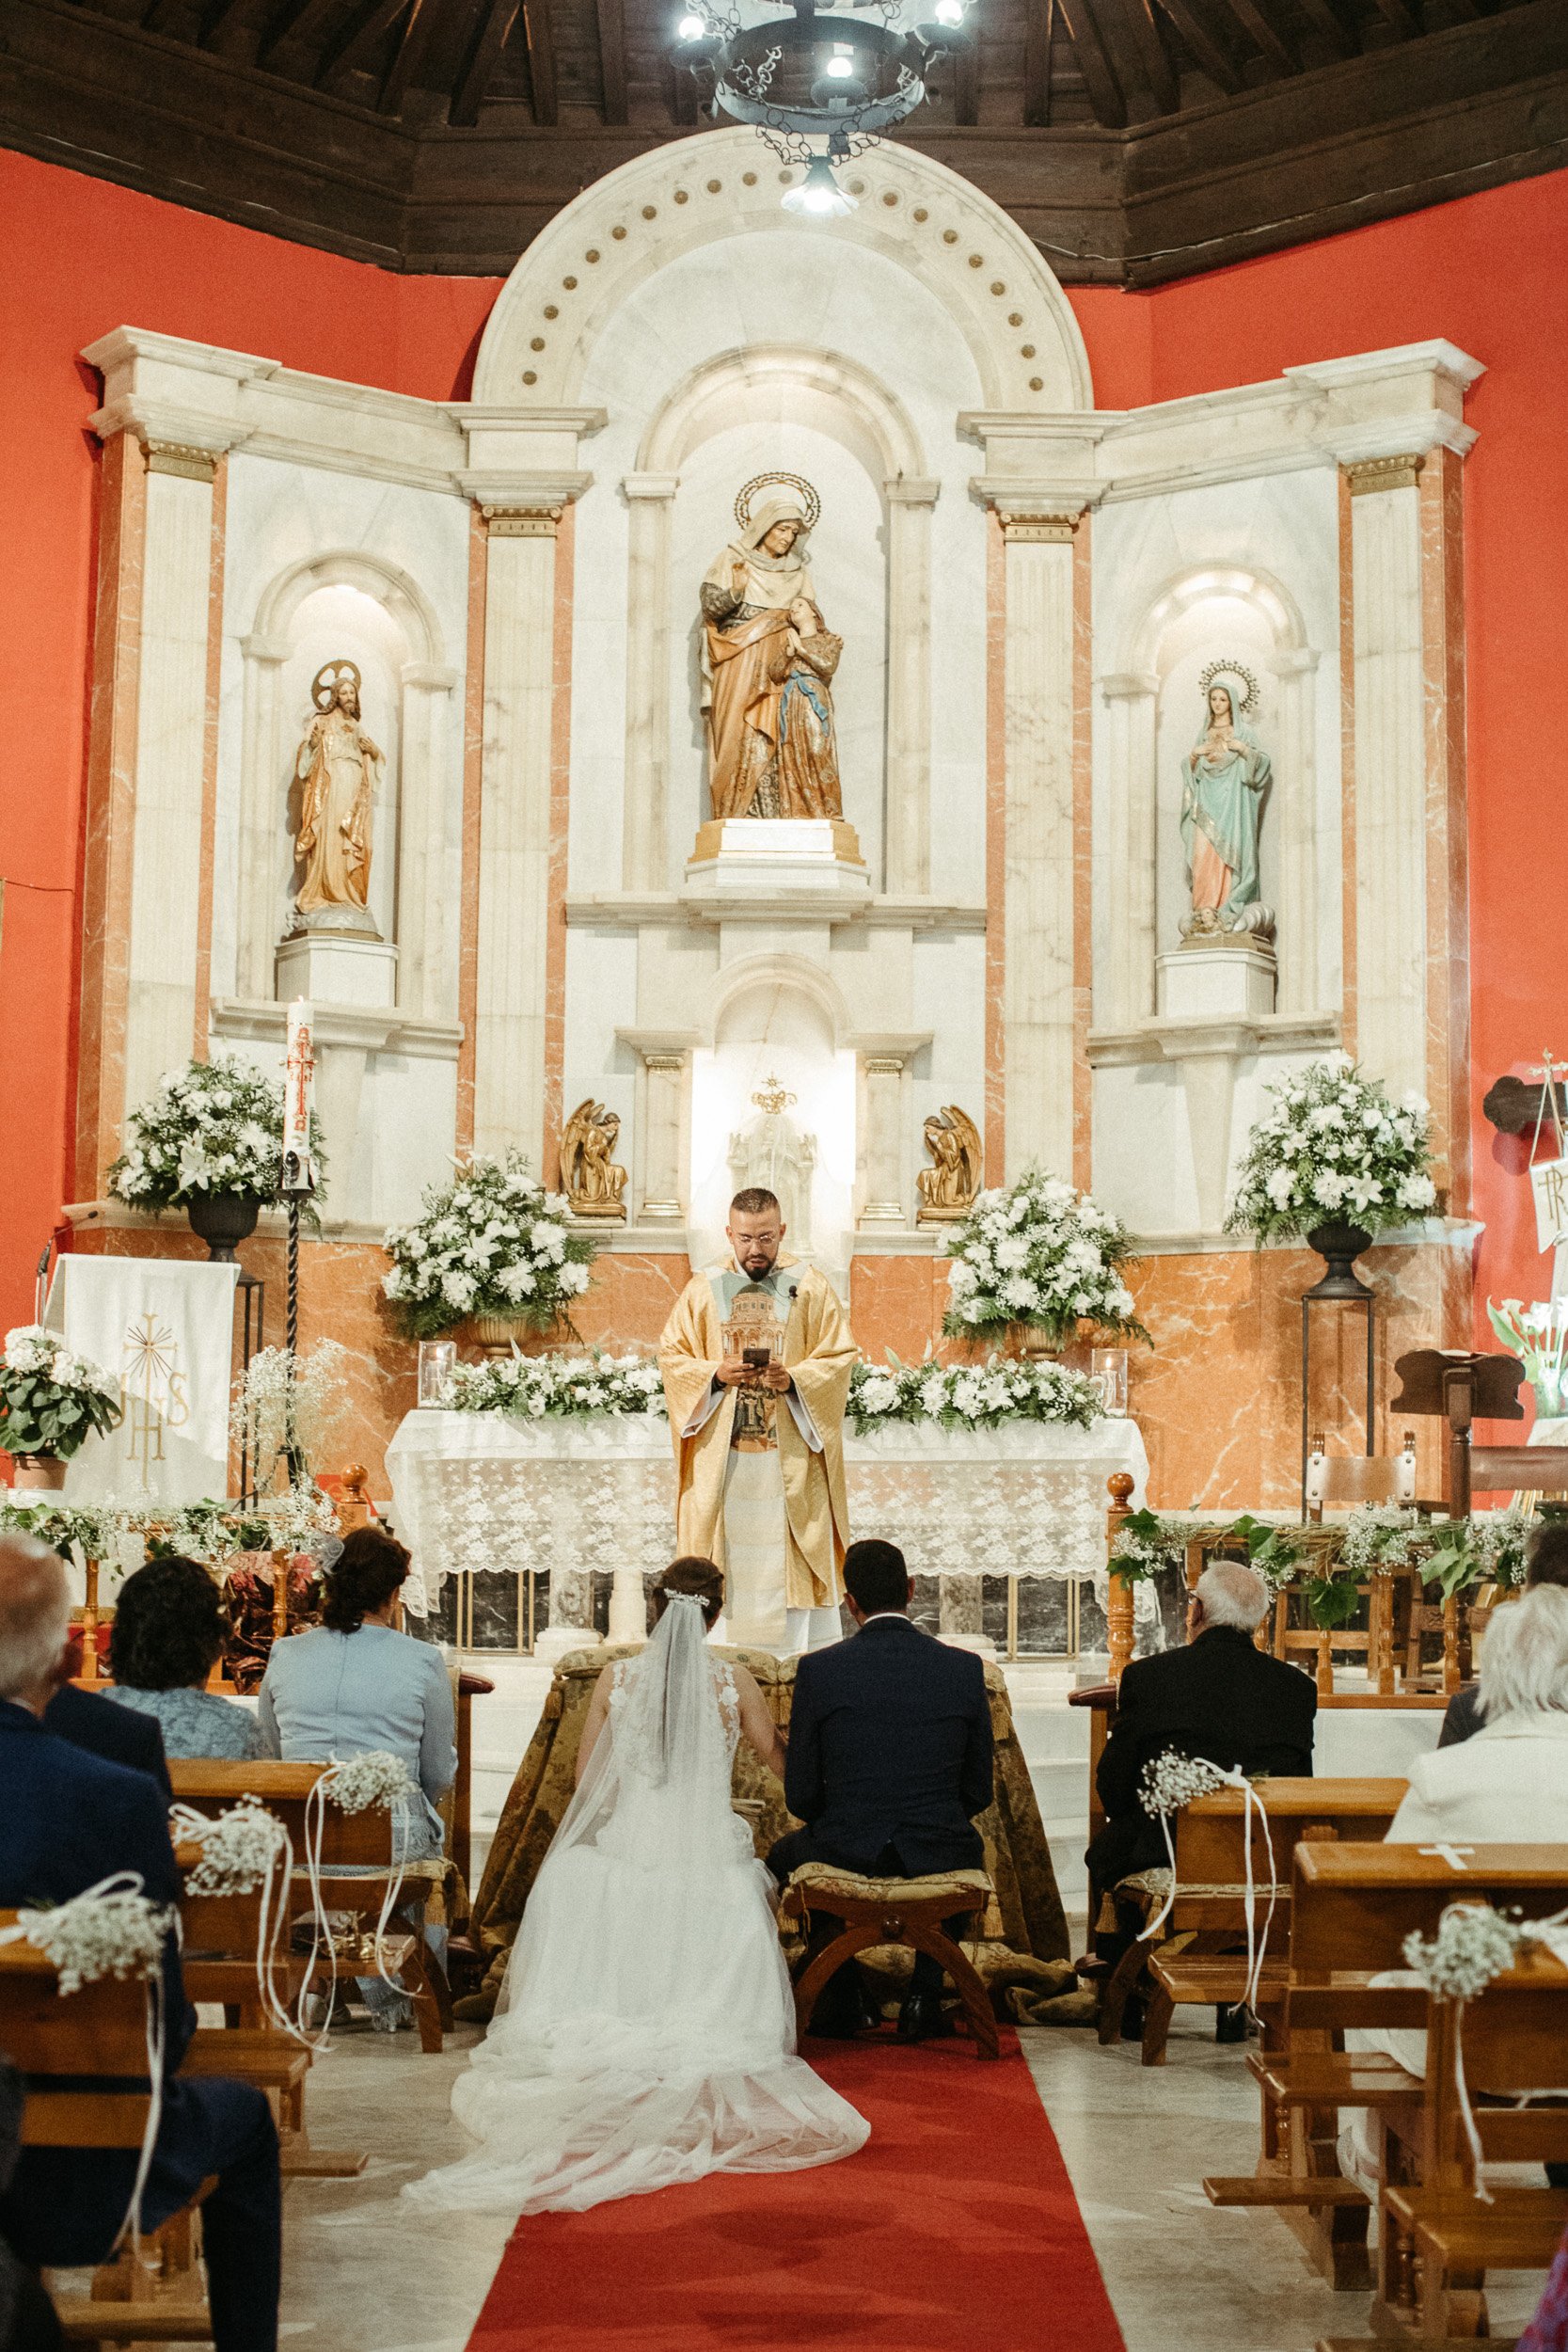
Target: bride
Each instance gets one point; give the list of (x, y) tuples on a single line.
[(645, 2033)]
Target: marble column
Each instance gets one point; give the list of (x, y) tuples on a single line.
[(911, 505), (514, 827), (1294, 807), (1132, 816), (264, 814), (661, 1193), (1391, 883), (882, 1156), (426, 915), (171, 719), (1038, 1001), (644, 839)]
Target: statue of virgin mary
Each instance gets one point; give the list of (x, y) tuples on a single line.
[(1224, 778), (768, 663)]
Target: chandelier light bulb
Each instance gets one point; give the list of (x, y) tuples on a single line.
[(818, 196), (691, 28), (840, 68), (950, 12)]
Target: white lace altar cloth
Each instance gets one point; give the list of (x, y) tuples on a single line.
[(482, 1490)]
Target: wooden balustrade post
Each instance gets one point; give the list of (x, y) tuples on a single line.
[(1325, 1665), (1380, 1646), (1119, 1599), (90, 1622), (281, 1562), (1453, 1678)]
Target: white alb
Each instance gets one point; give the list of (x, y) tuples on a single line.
[(645, 2033)]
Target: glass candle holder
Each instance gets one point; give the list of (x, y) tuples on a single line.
[(1109, 1373), (438, 1362)]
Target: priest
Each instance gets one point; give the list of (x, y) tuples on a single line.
[(756, 1359)]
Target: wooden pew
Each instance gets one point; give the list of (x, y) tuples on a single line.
[(1200, 1964), (97, 2035), (1352, 1906)]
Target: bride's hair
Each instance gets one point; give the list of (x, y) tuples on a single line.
[(697, 1577)]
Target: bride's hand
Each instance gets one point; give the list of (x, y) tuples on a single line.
[(761, 1733)]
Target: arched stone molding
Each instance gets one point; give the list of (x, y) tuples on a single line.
[(780, 975), (919, 214), (1128, 698), (846, 402), (417, 840)]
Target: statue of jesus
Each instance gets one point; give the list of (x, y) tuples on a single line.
[(339, 768), (768, 663)]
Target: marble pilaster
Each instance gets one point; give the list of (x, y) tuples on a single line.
[(262, 772), (650, 500), (911, 505), (881, 1185), (1130, 700), (1295, 814), (424, 917)]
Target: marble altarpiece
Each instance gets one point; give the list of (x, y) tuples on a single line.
[(977, 934)]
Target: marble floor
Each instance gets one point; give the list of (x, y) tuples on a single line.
[(363, 2276)]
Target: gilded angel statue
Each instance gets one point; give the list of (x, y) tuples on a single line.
[(948, 1187), (593, 1184)]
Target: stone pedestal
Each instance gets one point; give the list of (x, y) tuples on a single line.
[(337, 968), (1229, 982), (767, 858)]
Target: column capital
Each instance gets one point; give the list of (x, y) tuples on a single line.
[(1128, 686), (1367, 475), (911, 490), (1294, 661), (268, 651), (432, 676), (649, 487), (660, 1049), (523, 506), (177, 440)]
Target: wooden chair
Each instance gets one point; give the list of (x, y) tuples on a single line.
[(99, 2035), (1204, 1960), (892, 1911)]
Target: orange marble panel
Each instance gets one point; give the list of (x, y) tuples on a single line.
[(898, 1303), (995, 1112), (473, 787), (210, 765), (629, 1299)]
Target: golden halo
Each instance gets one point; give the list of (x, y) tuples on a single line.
[(1223, 670), (328, 676), (813, 504)]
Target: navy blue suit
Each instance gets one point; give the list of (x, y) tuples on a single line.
[(68, 1819), (120, 1735)]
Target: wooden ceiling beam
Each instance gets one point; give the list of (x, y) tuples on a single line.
[(541, 61), (1405, 21), (1270, 46), (214, 17), (1039, 23), (409, 58), (1149, 50), (1207, 54), (475, 79), (353, 45), (611, 17), (1093, 63), (1338, 28), (304, 21)]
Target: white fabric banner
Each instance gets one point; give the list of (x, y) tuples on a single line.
[(166, 1332)]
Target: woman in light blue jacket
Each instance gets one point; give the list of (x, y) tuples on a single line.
[(353, 1685)]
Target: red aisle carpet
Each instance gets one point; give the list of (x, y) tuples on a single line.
[(955, 2229)]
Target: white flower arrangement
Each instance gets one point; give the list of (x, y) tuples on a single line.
[(259, 1415), (492, 1242), (362, 1781), (113, 1929), (533, 1388), (1333, 1149), (1148, 1547), (1171, 1781), (216, 1127), (1379, 1535), (1473, 1944), (1538, 1335), (239, 1850), (52, 1400), (970, 1396), (1039, 1253)]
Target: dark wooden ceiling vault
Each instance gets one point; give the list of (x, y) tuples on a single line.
[(1136, 140)]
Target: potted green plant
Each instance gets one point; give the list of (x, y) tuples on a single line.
[(210, 1142), (492, 1244), (1334, 1162), (1038, 1258), (51, 1402)]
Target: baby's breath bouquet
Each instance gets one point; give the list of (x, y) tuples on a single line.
[(216, 1127), (492, 1242), (1043, 1254), (1335, 1147)]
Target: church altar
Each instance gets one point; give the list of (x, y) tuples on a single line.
[(477, 1491)]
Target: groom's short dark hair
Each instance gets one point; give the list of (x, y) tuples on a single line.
[(875, 1576)]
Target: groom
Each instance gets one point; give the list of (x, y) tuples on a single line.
[(890, 1761)]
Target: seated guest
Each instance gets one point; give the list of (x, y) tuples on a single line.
[(1546, 1562), (87, 1720), (1217, 1696), (167, 1636), (70, 1819), (354, 1685), (890, 1762)]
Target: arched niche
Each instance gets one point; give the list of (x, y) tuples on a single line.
[(344, 603), (1153, 712), (912, 211)]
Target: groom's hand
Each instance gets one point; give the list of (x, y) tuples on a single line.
[(776, 1378), (735, 1372)]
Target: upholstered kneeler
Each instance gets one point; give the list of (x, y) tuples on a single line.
[(892, 1911)]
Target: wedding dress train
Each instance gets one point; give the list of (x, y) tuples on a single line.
[(645, 2033)]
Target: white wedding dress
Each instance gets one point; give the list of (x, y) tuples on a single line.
[(645, 2033)]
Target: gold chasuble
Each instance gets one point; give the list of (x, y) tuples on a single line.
[(756, 1494)]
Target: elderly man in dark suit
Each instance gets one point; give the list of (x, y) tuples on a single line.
[(70, 1818), (890, 1761)]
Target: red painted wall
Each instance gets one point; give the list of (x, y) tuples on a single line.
[(82, 256)]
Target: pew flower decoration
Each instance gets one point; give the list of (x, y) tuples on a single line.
[(572, 1387), (1043, 1255), (1334, 1147), (1171, 1781), (492, 1242), (113, 1929), (239, 1850), (362, 1781), (1148, 1547), (213, 1129), (52, 1400), (1473, 1944), (969, 1396)]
